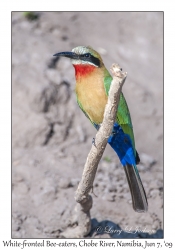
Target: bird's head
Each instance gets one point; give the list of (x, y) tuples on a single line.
[(84, 56)]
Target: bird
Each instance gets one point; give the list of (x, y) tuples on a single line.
[(93, 82)]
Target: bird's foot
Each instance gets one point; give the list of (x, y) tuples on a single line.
[(93, 142)]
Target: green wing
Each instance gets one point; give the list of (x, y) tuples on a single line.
[(123, 116)]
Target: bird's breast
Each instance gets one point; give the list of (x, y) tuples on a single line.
[(92, 96)]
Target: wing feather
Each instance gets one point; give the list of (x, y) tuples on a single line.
[(123, 117)]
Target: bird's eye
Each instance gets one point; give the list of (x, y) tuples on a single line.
[(87, 55)]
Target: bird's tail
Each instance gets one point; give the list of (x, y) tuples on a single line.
[(139, 199)]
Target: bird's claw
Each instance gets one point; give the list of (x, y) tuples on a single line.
[(93, 142)]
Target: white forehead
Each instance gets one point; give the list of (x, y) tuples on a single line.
[(80, 50)]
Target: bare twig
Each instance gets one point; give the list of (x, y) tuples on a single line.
[(82, 194)]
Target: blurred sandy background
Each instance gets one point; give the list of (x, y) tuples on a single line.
[(51, 137)]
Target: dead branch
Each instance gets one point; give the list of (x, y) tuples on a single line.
[(86, 184)]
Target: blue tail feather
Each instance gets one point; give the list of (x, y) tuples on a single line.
[(122, 145)]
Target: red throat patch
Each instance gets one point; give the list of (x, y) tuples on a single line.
[(83, 70)]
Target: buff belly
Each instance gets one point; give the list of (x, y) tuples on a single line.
[(92, 96)]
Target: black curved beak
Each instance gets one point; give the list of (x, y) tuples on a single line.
[(70, 55)]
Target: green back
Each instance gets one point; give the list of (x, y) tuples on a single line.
[(123, 116)]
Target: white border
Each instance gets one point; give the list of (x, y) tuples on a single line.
[(5, 95)]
